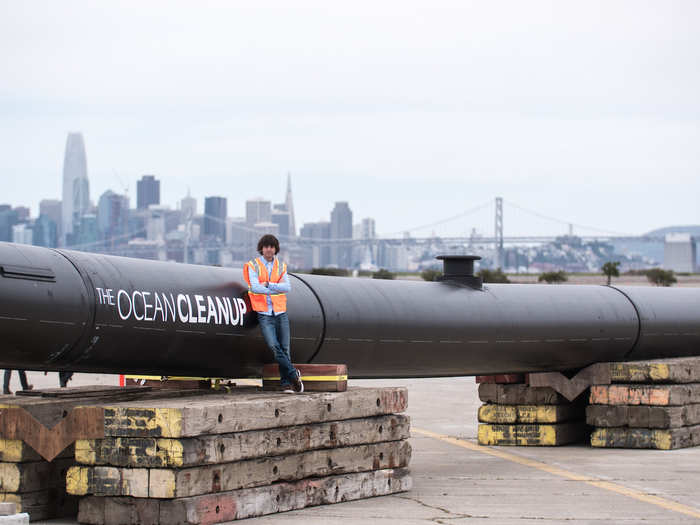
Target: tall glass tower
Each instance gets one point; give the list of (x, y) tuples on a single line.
[(76, 188)]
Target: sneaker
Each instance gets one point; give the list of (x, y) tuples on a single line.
[(287, 389), (298, 384)]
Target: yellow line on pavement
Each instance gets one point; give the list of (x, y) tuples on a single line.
[(607, 485)]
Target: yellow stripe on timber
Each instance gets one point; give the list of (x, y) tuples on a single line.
[(659, 371), (77, 481), (86, 451), (11, 450), (157, 422), (169, 420), (172, 452), (312, 378), (606, 485)]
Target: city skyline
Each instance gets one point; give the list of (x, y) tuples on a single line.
[(586, 112), (154, 230), (75, 143)]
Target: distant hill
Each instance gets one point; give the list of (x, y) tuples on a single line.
[(693, 230)]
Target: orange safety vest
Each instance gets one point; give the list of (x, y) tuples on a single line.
[(259, 300)]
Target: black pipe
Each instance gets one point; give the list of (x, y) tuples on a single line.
[(66, 310)]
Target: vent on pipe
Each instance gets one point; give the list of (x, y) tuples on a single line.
[(460, 269)]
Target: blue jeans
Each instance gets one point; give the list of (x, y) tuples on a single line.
[(275, 330)]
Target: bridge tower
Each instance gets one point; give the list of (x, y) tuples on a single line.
[(499, 232)]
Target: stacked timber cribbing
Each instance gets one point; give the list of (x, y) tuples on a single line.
[(515, 413), (220, 457), (36, 486), (650, 404)]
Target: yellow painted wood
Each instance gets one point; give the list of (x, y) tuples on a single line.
[(528, 414), (172, 452), (633, 438), (10, 477), (539, 435), (85, 451), (659, 371), (162, 421), (77, 481), (12, 450), (498, 413), (312, 378), (169, 420)]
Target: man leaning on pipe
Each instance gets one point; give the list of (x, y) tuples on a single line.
[(268, 284)]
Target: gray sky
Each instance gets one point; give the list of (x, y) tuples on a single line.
[(413, 111)]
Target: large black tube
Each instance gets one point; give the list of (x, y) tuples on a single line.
[(65, 310)]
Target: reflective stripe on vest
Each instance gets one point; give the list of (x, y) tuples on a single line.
[(258, 301)]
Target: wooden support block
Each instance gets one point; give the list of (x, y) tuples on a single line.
[(103, 510), (646, 438), (44, 504), (530, 413), (532, 435), (177, 483), (635, 394), (33, 475), (107, 481), (676, 370), (643, 416), (502, 378), (225, 448), (16, 423), (316, 377), (17, 451), (246, 410), (244, 503), (170, 383), (572, 387), (517, 394)]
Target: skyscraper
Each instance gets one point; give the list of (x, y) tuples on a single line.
[(317, 253), (258, 210), (147, 192), (52, 209), (341, 230), (45, 232), (188, 206), (282, 219), (113, 219), (289, 206), (8, 218), (76, 188), (215, 217)]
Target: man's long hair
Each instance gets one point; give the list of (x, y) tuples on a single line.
[(268, 240)]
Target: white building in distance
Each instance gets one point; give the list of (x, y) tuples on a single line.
[(680, 252)]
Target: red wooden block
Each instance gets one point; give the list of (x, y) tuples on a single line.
[(316, 378), (502, 379)]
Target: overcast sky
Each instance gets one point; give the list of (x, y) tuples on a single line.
[(414, 112)]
